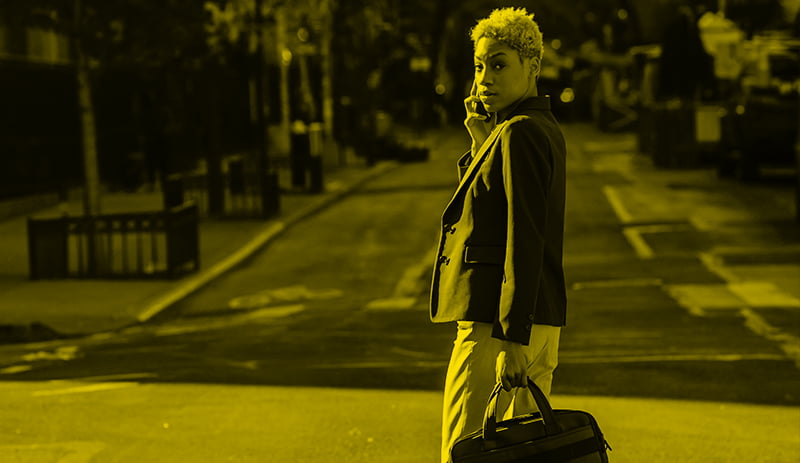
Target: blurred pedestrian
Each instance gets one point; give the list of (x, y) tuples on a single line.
[(499, 271)]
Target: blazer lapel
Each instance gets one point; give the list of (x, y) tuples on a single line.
[(478, 159)]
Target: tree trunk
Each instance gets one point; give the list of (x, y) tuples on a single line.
[(215, 180), (91, 196), (284, 57), (267, 177), (327, 69)]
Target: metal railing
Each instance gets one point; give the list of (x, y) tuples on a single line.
[(162, 244), (242, 193)]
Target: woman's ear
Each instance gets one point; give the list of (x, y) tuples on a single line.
[(536, 66)]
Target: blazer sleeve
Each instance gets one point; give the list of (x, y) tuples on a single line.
[(527, 172)]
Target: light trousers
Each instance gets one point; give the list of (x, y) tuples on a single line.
[(471, 377)]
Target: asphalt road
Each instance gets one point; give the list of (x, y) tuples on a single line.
[(340, 303)]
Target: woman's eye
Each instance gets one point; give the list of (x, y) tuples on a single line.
[(478, 67), (499, 66)]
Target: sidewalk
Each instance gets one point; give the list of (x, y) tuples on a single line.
[(32, 310)]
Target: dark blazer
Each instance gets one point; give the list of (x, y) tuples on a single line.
[(501, 244)]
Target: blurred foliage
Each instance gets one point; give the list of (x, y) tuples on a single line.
[(143, 32)]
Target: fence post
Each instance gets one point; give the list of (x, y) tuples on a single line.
[(300, 153), (315, 141), (172, 189), (47, 248)]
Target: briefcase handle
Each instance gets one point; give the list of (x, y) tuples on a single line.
[(551, 426)]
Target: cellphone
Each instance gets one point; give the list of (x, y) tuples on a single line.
[(481, 109)]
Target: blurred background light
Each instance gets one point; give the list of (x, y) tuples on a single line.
[(286, 56), (567, 95)]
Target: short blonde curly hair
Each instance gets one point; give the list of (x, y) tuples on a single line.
[(514, 27)]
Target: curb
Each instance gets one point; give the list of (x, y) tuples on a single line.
[(194, 283)]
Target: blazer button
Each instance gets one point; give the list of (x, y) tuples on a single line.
[(528, 327), (530, 317)]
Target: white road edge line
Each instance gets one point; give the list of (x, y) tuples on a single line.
[(640, 246), (616, 203), (788, 343), (84, 389)]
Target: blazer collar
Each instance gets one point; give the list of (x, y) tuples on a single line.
[(528, 105), (523, 107)]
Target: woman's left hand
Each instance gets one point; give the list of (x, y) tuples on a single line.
[(512, 366)]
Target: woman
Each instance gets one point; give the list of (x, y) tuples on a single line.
[(499, 268)]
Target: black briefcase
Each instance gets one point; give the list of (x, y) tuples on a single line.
[(547, 436)]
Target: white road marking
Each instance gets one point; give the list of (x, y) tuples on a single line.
[(616, 203), (637, 242), (84, 389), (621, 283), (77, 452), (62, 353), (763, 294), (410, 284), (16, 369), (122, 376), (703, 297), (743, 296), (410, 353), (408, 287), (390, 365), (566, 358), (788, 343), (714, 265)]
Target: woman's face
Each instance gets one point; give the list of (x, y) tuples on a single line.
[(501, 77)]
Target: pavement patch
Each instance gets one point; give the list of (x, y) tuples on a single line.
[(208, 323), (392, 303), (64, 353), (282, 296)]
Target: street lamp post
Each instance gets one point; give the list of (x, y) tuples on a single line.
[(267, 177)]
